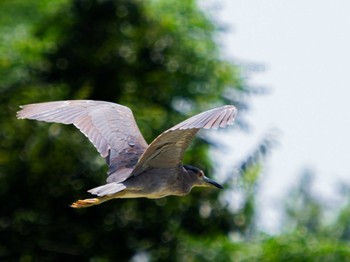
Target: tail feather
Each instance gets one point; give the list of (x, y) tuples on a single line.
[(108, 189)]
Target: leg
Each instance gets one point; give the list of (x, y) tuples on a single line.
[(91, 201)]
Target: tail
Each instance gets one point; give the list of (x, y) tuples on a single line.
[(108, 189)]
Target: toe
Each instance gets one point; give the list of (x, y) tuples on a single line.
[(85, 203)]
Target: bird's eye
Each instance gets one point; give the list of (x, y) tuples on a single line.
[(200, 174)]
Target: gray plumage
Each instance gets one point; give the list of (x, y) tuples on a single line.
[(136, 169)]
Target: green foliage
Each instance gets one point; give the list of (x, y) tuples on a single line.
[(309, 235), (302, 246), (157, 57)]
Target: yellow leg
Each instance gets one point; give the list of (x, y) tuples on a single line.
[(90, 202)]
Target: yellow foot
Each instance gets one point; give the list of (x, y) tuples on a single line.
[(85, 203)]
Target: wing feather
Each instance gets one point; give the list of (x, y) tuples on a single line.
[(167, 150), (110, 127)]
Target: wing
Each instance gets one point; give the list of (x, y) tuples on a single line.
[(110, 127), (167, 150)]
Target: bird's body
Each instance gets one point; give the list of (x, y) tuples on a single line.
[(159, 184), (136, 169)]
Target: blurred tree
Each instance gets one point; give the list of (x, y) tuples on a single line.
[(303, 210), (308, 235), (157, 57)]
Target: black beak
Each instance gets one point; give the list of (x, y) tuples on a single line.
[(212, 183)]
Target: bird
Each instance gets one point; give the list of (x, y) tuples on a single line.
[(135, 169)]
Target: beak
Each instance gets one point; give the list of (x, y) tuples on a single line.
[(212, 183)]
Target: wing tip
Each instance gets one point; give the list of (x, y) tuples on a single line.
[(19, 114), (226, 117), (219, 117)]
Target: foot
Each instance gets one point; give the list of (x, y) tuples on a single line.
[(86, 203)]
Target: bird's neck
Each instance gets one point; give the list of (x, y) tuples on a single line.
[(188, 180)]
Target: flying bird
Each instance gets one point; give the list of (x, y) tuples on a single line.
[(135, 169)]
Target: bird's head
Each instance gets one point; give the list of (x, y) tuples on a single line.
[(197, 175)]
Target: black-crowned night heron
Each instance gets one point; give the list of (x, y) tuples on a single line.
[(136, 169)]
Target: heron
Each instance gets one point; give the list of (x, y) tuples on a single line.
[(135, 169)]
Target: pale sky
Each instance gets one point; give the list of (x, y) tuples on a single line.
[(305, 47)]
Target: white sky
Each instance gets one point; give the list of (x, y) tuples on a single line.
[(305, 46)]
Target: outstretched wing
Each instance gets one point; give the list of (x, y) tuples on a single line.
[(110, 127), (167, 150)]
